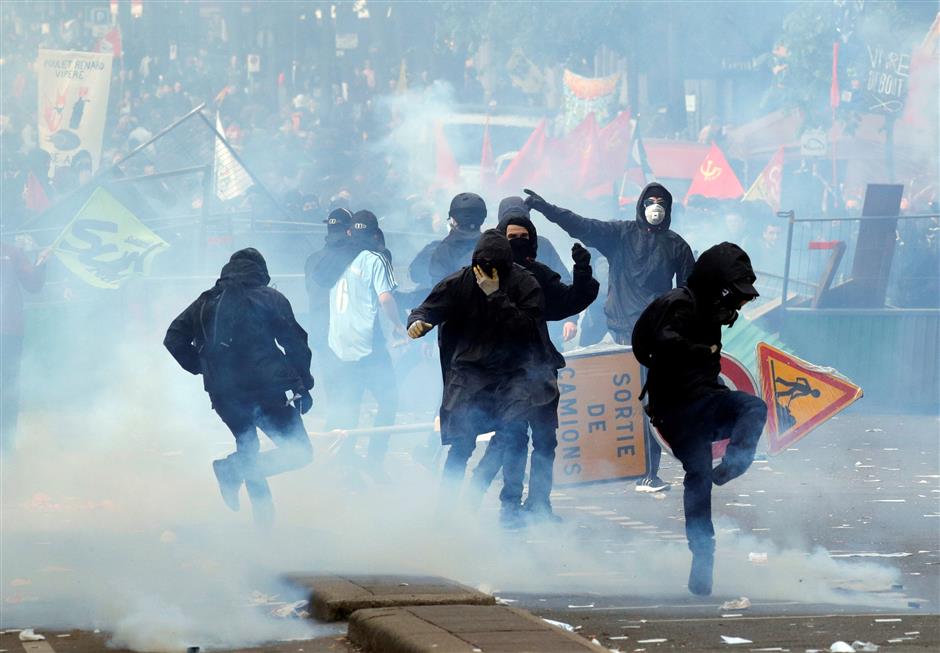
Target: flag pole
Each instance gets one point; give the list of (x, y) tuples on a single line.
[(221, 138)]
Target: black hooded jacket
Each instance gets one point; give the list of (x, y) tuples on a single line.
[(561, 300), (684, 325), (231, 333), (643, 259), (487, 343)]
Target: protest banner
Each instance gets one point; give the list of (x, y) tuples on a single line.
[(73, 104)]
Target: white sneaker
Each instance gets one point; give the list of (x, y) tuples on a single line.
[(651, 484)]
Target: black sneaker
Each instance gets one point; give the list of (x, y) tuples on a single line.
[(651, 484), (229, 483)]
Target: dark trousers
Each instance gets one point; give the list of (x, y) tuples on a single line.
[(348, 382), (11, 351), (690, 430), (283, 425), (455, 466), (654, 452), (508, 449)]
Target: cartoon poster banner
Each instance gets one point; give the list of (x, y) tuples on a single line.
[(73, 104)]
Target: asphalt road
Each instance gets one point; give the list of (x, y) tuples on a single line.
[(861, 489), (845, 532)]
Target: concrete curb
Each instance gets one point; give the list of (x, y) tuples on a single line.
[(461, 629), (334, 598)]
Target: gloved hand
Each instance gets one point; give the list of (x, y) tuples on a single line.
[(580, 256), (488, 284), (418, 328), (302, 401), (535, 201)]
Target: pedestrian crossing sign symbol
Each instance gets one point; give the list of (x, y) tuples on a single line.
[(800, 396)]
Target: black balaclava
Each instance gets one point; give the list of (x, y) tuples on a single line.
[(524, 250), (654, 189), (721, 279)]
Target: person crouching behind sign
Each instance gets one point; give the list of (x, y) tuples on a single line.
[(488, 314), (678, 337)]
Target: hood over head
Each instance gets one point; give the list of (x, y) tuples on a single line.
[(510, 206), (654, 189), (514, 218), (493, 251), (723, 275), (246, 267)]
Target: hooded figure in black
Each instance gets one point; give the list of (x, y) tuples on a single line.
[(561, 302), (678, 337), (241, 336), (644, 257), (491, 331), (515, 207)]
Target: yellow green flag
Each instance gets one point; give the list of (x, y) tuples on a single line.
[(105, 243)]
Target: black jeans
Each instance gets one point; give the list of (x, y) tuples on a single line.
[(507, 451), (282, 424), (349, 381), (690, 430)]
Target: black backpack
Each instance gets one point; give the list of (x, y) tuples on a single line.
[(651, 323)]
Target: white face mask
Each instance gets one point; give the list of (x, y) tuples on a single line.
[(654, 214)]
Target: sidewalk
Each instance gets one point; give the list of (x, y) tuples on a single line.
[(461, 629)]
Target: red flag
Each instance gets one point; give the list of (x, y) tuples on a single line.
[(715, 178), (611, 152), (487, 163), (35, 194), (110, 42), (446, 172), (527, 161), (834, 89), (767, 185)]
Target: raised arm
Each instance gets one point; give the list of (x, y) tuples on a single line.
[(600, 234)]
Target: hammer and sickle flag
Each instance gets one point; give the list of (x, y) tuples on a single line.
[(105, 244), (800, 396), (766, 188), (715, 178)]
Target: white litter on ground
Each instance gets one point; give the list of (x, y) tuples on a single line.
[(27, 635), (742, 603)]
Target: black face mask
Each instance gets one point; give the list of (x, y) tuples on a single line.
[(522, 250), (726, 316)]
